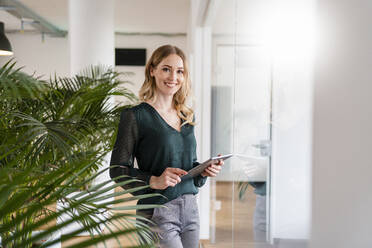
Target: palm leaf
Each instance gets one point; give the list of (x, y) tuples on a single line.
[(57, 134)]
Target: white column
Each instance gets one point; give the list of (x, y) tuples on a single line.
[(91, 39), (199, 39), (342, 164), (91, 33)]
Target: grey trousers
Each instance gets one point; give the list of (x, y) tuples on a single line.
[(177, 223)]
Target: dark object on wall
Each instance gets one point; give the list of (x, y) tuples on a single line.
[(5, 47), (130, 56)]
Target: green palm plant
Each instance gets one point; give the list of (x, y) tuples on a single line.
[(54, 137)]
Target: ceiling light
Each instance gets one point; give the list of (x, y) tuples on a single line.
[(5, 47)]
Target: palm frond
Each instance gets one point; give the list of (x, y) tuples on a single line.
[(17, 85), (53, 137), (88, 205)]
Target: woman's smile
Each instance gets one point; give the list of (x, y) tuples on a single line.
[(171, 84)]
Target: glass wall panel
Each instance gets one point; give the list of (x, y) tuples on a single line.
[(261, 98), (241, 113)]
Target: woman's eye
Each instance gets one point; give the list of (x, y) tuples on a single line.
[(180, 72), (165, 69)]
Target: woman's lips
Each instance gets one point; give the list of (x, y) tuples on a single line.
[(170, 85)]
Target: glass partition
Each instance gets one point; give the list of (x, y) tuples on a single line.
[(241, 124), (261, 112)]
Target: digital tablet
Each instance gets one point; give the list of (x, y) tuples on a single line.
[(197, 170)]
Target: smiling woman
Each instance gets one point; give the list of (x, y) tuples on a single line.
[(167, 72), (159, 133)]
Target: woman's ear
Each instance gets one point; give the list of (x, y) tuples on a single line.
[(151, 71)]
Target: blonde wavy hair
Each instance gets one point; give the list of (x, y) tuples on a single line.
[(147, 91)]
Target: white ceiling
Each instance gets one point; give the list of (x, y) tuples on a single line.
[(130, 15)]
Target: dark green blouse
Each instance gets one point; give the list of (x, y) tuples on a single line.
[(143, 134)]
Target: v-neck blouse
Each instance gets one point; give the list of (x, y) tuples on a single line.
[(144, 135), (156, 113)]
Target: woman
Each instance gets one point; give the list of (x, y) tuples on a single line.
[(159, 133)]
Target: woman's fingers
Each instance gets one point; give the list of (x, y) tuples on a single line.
[(213, 170), (172, 182), (177, 171), (172, 176), (169, 177), (210, 172)]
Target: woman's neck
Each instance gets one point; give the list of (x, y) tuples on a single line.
[(163, 103)]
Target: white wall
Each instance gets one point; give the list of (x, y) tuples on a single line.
[(52, 55), (291, 150), (43, 57), (342, 169), (151, 16), (289, 39)]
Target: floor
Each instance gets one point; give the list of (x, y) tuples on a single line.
[(233, 223), (241, 223), (234, 218)]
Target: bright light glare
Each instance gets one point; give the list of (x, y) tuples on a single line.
[(289, 29)]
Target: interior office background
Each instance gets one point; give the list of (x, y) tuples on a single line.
[(322, 184)]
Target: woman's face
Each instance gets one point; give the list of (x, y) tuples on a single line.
[(169, 75)]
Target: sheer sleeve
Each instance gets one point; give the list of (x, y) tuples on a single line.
[(122, 157), (199, 180)]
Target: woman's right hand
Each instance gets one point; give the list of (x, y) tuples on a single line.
[(169, 177)]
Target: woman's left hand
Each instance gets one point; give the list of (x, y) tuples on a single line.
[(213, 169)]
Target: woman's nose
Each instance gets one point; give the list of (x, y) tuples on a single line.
[(173, 75)]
